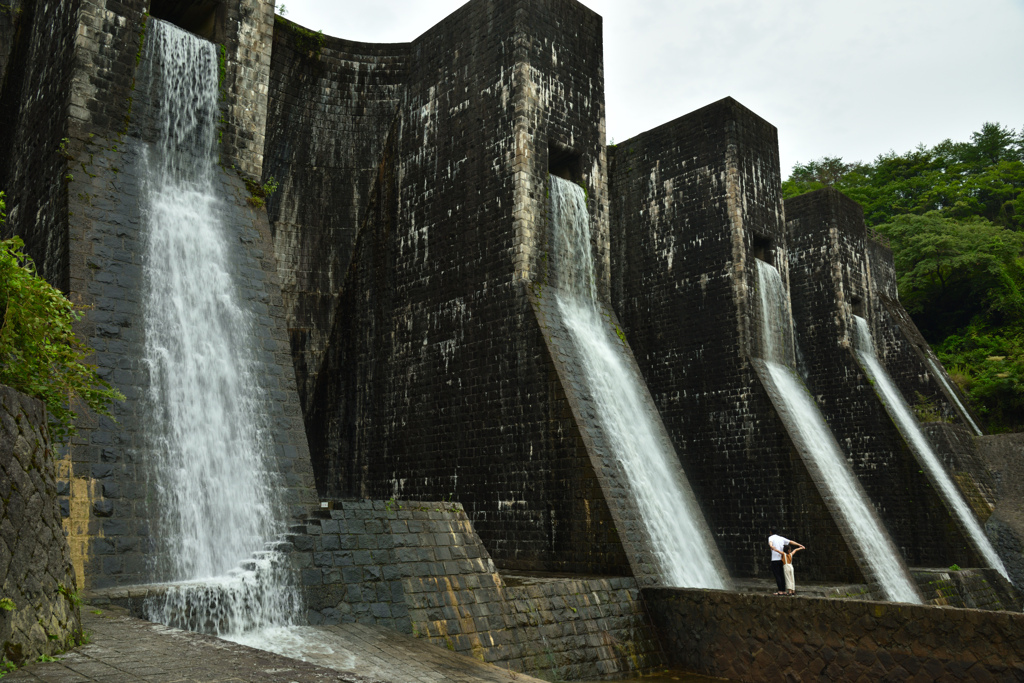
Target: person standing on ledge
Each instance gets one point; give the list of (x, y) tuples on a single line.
[(788, 551), (777, 543)]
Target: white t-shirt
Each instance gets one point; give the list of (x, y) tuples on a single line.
[(780, 543)]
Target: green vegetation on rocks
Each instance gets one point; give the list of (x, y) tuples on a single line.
[(258, 194), (307, 43), (40, 355)]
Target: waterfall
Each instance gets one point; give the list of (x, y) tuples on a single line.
[(843, 493), (681, 542), (908, 426), (941, 376), (215, 496)]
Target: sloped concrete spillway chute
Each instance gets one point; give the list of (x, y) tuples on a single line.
[(627, 440), (907, 424), (875, 551)]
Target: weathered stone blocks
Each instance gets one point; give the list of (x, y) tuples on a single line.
[(436, 580), (697, 201), (765, 638), (435, 380), (39, 614)]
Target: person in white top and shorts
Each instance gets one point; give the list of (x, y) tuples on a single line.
[(777, 543)]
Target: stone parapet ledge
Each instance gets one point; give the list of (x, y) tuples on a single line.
[(766, 638)]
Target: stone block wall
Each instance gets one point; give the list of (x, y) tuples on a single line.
[(420, 568), (959, 450), (330, 105), (983, 589), (35, 565), (1002, 456), (34, 100), (355, 559), (247, 37), (763, 638), (830, 283), (11, 24), (694, 202), (567, 629), (436, 380)]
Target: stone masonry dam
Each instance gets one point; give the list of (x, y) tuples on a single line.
[(450, 364)]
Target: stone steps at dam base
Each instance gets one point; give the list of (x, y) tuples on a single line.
[(419, 568)]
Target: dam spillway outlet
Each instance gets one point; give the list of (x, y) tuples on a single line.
[(669, 512), (215, 497), (823, 455), (902, 415)]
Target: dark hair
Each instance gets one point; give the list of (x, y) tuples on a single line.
[(773, 531), (786, 548)]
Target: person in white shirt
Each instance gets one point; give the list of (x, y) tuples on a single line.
[(777, 543)]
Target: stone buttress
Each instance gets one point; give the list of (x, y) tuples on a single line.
[(831, 280), (436, 380), (694, 203)]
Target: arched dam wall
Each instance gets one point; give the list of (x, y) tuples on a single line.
[(330, 105), (400, 279)]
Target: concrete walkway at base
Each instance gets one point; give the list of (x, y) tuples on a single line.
[(128, 650)]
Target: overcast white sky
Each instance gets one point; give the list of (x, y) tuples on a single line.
[(839, 78)]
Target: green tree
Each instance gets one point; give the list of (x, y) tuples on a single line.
[(818, 174), (953, 273), (989, 367), (983, 177), (39, 352)]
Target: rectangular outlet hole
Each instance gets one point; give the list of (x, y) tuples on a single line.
[(764, 249), (564, 162), (201, 17), (857, 304)]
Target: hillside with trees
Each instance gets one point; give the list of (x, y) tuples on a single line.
[(954, 215)]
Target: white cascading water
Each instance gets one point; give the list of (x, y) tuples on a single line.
[(842, 487), (216, 506), (681, 541), (941, 376), (904, 418)]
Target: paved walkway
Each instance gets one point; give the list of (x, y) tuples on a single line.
[(128, 650)]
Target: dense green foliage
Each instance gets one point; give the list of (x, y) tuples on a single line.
[(953, 273), (954, 214), (981, 178), (39, 352)]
